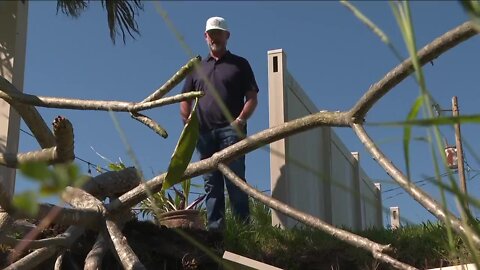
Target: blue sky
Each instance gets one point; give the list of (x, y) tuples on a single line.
[(333, 56)]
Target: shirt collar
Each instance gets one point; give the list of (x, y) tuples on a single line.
[(210, 57)]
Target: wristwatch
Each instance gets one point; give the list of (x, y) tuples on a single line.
[(241, 121)]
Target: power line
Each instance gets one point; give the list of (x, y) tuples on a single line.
[(417, 182), (89, 164)]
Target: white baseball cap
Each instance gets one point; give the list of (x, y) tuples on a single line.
[(216, 23)]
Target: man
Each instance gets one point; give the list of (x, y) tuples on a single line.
[(228, 80)]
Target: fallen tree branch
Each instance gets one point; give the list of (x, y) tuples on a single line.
[(33, 244), (59, 261), (67, 216), (40, 255), (246, 145), (94, 258), (428, 53), (174, 80), (112, 184), (33, 259), (150, 122), (95, 105), (47, 155), (126, 256), (167, 101), (119, 244), (418, 194), (353, 239)]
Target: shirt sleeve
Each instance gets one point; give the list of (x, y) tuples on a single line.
[(250, 82), (188, 85)]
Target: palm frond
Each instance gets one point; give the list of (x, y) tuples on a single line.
[(71, 7), (120, 14)]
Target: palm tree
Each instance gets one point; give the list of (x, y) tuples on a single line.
[(120, 14)]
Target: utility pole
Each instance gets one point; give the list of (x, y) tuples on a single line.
[(458, 142)]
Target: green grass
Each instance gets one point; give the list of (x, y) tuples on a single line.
[(423, 246)]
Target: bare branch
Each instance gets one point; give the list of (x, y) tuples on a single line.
[(167, 101), (112, 184), (147, 121), (418, 194), (248, 144), (93, 261), (38, 256), (30, 115), (126, 256), (174, 80), (67, 216), (79, 198), (33, 244), (400, 72), (312, 221), (33, 259), (14, 160), (59, 261), (96, 105)]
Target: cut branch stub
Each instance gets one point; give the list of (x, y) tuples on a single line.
[(61, 153), (63, 131)]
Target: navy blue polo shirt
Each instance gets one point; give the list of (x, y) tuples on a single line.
[(231, 76)]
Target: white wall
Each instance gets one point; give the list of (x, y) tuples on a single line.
[(313, 171)]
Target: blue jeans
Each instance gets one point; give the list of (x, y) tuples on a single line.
[(209, 143)]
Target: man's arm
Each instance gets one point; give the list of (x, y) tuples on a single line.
[(185, 109), (250, 105)]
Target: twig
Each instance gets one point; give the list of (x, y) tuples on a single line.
[(353, 239), (418, 194), (147, 121)]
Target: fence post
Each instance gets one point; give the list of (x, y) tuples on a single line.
[(379, 216), (356, 201), (276, 95), (395, 217)]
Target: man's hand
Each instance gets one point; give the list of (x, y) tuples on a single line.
[(239, 122), (185, 109)]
